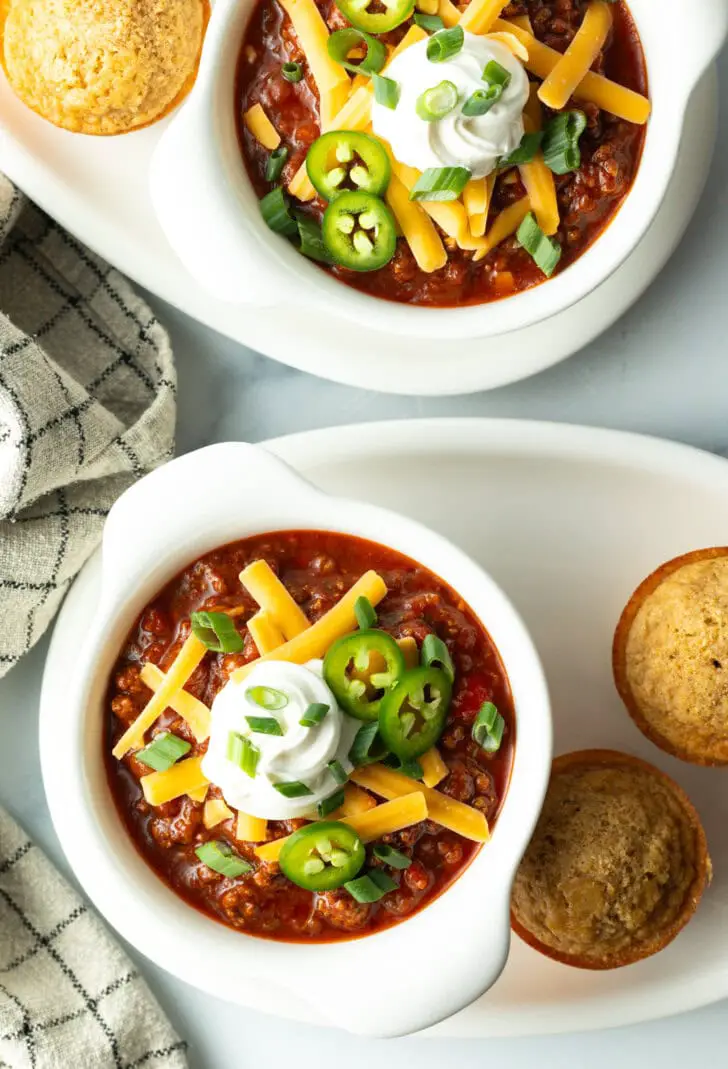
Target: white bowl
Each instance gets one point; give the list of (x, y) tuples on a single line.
[(390, 983), (209, 211)]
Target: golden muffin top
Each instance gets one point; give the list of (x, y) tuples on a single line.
[(671, 657), (616, 864), (102, 66)]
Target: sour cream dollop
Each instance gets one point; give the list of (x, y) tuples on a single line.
[(476, 142), (300, 753)]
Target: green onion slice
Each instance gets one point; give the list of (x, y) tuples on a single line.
[(294, 789), (314, 715), (482, 100), (243, 753), (341, 42), (434, 653), (367, 745), (366, 617), (163, 751), (267, 697), (386, 91), (560, 144), (546, 251), (217, 631), (312, 242), (276, 161), (370, 887), (495, 74), (410, 767), (395, 858), (431, 23), (276, 214), (328, 805), (488, 728), (338, 771), (526, 151), (264, 725), (437, 102), (220, 857), (440, 183), (292, 72), (445, 44)]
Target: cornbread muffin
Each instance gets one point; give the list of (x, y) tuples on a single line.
[(102, 66), (616, 866), (670, 657)]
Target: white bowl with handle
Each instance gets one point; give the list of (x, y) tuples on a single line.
[(210, 213), (391, 982)]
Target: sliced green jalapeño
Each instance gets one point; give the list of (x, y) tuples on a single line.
[(359, 231), (359, 15), (322, 856), (360, 669), (347, 159), (412, 715)]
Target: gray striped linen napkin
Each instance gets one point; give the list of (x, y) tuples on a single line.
[(87, 405)]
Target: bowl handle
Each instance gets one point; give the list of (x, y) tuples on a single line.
[(168, 514), (700, 35)]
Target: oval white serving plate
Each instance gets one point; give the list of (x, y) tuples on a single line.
[(568, 520), (98, 189)]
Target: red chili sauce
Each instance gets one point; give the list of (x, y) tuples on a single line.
[(588, 198), (317, 568)]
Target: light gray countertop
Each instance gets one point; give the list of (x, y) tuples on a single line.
[(662, 369)]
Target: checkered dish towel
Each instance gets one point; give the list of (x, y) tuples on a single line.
[(86, 407)]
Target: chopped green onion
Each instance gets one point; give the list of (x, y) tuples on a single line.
[(370, 887), (220, 857), (243, 753), (560, 144), (367, 745), (435, 653), (292, 72), (440, 183), (366, 617), (488, 728), (395, 858), (312, 242), (431, 23), (294, 789), (386, 91), (163, 751), (341, 42), (217, 631), (264, 725), (545, 250), (445, 44), (410, 767), (328, 805), (338, 771), (314, 715), (526, 151), (276, 215), (437, 102), (276, 161), (495, 74), (267, 697), (482, 100)]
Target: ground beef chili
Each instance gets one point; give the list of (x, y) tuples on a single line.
[(588, 198), (317, 568)]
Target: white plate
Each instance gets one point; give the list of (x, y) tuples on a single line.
[(97, 188), (567, 520)]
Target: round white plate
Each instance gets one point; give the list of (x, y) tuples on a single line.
[(97, 189), (568, 520)]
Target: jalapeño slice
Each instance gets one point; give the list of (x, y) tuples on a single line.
[(395, 13), (322, 856), (412, 715), (360, 669), (347, 159), (359, 231)]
